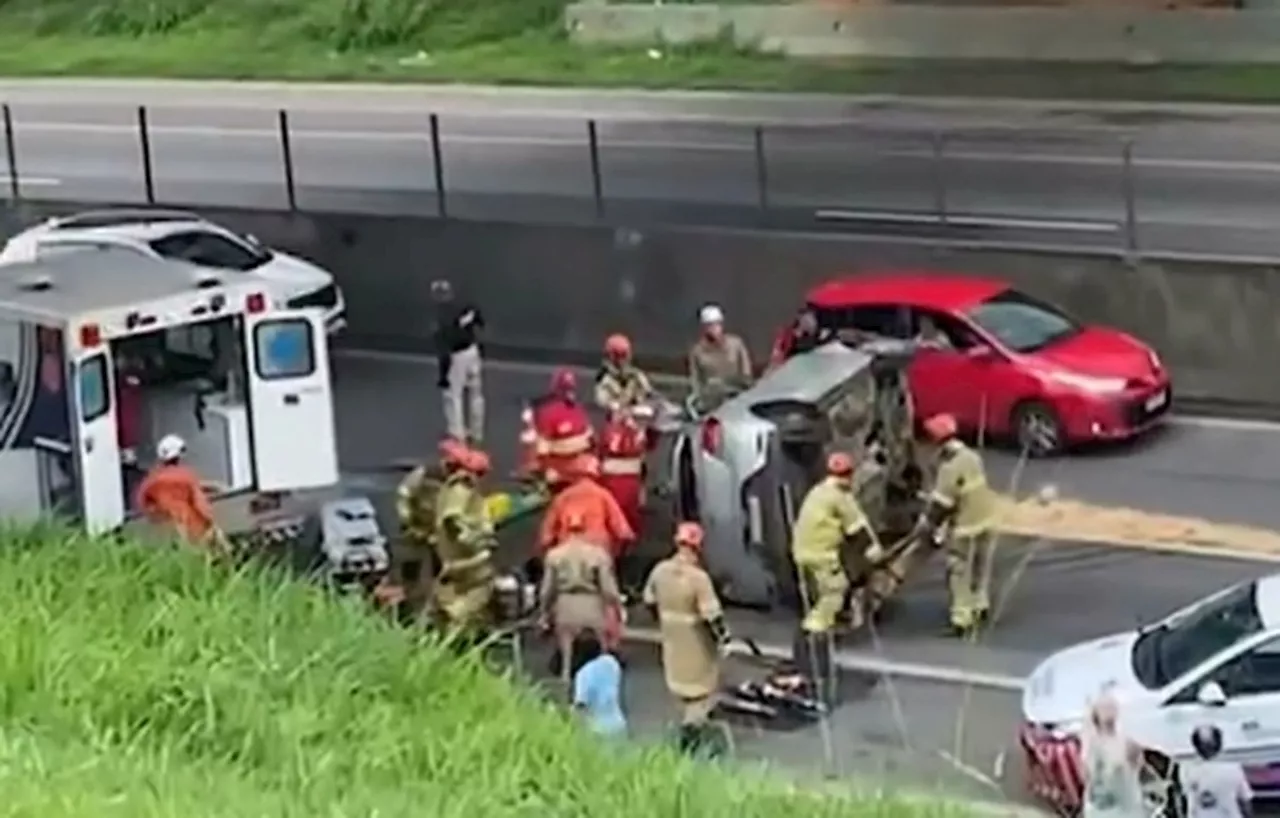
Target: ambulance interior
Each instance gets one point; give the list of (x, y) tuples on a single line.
[(190, 381)]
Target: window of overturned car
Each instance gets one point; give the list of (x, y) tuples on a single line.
[(1167, 651)]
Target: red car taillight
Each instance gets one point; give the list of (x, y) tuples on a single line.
[(711, 436)]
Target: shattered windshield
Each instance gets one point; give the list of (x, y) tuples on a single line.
[(1174, 647)]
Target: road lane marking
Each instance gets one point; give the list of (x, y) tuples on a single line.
[(215, 132), (863, 662), (941, 220)]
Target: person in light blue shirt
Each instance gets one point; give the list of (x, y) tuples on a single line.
[(597, 686)]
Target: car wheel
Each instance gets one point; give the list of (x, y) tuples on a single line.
[(1038, 429)]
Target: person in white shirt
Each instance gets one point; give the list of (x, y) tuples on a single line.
[(1214, 788), (1112, 766)]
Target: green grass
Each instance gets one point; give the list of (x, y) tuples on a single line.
[(141, 682), (507, 41)]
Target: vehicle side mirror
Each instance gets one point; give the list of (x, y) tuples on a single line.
[(1211, 694)]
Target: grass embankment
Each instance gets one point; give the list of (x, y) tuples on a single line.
[(507, 41), (136, 683)]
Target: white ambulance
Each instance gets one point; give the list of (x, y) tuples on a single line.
[(103, 352)]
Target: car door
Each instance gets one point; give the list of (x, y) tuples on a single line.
[(1249, 719), (97, 450)]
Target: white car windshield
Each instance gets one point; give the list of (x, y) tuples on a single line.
[(1022, 323), (208, 249), (1167, 651)]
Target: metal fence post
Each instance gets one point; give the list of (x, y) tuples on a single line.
[(597, 183), (11, 150), (1130, 199), (286, 155), (144, 141), (437, 164), (938, 141), (762, 171)]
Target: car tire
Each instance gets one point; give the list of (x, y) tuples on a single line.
[(1038, 430)]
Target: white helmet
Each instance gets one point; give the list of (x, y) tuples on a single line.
[(170, 447), (711, 314)]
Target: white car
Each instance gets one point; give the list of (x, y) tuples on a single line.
[(172, 234), (1217, 661)]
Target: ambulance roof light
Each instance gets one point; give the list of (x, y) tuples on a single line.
[(255, 303)]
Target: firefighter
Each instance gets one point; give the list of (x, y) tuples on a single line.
[(579, 592), (603, 521), (563, 428), (416, 499), (829, 521), (623, 446), (962, 508), (680, 595), (171, 496), (464, 542), (620, 383), (719, 364)]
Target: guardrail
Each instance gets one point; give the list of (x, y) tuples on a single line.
[(1075, 190)]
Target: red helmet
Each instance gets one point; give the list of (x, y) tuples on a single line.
[(564, 380), (617, 346), (453, 452), (476, 462), (587, 465), (689, 535), (941, 427), (839, 464)]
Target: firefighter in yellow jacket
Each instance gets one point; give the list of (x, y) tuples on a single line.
[(415, 560), (680, 594), (829, 521), (464, 538), (620, 384), (962, 509)]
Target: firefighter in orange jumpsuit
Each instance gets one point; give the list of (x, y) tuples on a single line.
[(171, 496), (563, 429), (603, 521)]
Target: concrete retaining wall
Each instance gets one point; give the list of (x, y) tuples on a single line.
[(555, 292), (1099, 35)]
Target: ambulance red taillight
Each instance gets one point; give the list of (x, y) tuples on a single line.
[(255, 303), (90, 336), (712, 437)]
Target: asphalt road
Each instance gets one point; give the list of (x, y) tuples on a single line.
[(1202, 182), (925, 710)]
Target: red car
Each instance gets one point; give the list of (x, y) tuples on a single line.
[(999, 360)]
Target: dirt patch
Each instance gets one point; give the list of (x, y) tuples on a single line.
[(1072, 520)]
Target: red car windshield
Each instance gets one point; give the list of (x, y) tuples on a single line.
[(1022, 323)]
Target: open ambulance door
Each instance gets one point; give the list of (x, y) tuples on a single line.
[(94, 438), (290, 401)]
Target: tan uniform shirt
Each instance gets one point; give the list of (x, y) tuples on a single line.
[(718, 371), (962, 486), (622, 386), (686, 600), (829, 515), (578, 585)]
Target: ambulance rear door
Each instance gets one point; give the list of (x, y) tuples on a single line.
[(290, 400), (94, 432)]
